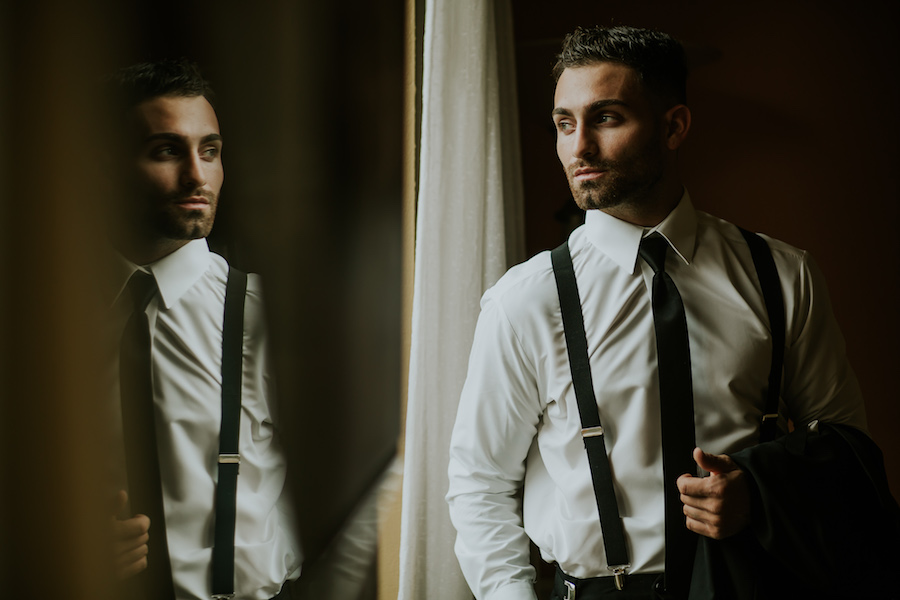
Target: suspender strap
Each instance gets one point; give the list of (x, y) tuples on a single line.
[(771, 290), (592, 432), (229, 458)]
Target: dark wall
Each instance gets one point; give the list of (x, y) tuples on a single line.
[(794, 134)]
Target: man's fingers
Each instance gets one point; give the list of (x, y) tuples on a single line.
[(120, 502), (131, 545), (133, 562), (699, 487), (714, 463), (705, 529), (717, 506), (127, 544), (134, 527), (703, 503), (133, 555)]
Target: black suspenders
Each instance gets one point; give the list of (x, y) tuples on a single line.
[(771, 290), (229, 457), (592, 431)]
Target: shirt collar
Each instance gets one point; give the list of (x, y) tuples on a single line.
[(175, 273), (620, 240)]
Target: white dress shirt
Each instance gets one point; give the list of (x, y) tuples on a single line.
[(186, 329), (518, 423)]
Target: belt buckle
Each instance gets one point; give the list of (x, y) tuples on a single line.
[(570, 590)]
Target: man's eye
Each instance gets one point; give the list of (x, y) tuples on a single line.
[(164, 152), (564, 126)]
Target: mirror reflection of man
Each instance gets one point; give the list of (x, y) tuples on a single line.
[(169, 173), (519, 469)]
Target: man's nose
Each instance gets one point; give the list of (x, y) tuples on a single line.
[(192, 175), (585, 143)]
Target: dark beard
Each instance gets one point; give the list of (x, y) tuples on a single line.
[(169, 222), (191, 226), (629, 181), (615, 189)]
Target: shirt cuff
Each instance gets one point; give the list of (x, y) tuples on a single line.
[(517, 590)]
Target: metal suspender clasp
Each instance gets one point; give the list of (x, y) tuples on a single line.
[(769, 417), (619, 574), (230, 459), (570, 590), (592, 432)]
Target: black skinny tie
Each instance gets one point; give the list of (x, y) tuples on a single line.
[(139, 432), (676, 410)]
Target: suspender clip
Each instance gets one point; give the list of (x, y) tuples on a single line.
[(570, 590), (230, 459), (769, 417), (592, 432), (619, 574)]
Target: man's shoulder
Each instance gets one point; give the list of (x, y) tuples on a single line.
[(219, 271), (782, 251), (526, 288)]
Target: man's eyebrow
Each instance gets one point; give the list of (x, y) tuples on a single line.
[(593, 107), (174, 137), (601, 104)]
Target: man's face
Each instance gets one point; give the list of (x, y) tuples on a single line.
[(177, 169), (609, 138)]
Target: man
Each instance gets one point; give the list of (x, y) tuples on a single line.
[(620, 117), (169, 172)]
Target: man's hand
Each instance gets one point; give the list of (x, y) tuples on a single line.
[(717, 506), (130, 537)]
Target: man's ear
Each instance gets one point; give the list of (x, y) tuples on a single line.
[(678, 123)]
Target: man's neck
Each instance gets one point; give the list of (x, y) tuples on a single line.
[(649, 212), (148, 251)]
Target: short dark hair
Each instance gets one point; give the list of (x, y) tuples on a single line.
[(658, 59), (167, 77)]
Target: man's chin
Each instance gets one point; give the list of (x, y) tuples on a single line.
[(594, 200), (189, 229)]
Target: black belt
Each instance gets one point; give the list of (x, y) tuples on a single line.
[(638, 586)]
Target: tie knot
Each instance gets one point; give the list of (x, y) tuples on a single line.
[(653, 250), (141, 288)]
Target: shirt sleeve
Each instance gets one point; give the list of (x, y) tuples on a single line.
[(496, 424), (818, 380), (258, 378)]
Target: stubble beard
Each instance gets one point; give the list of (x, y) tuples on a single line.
[(628, 182), (614, 189), (173, 223)]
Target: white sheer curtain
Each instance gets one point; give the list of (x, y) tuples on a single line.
[(468, 231)]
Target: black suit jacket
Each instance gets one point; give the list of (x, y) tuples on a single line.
[(824, 524)]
